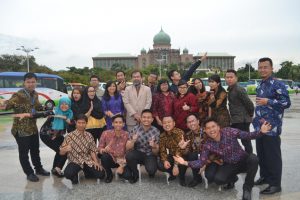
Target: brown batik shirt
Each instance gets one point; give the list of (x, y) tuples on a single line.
[(24, 102), (170, 141), (82, 145)]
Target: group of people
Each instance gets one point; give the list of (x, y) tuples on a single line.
[(166, 127)]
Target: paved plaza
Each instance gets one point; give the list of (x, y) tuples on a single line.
[(13, 183)]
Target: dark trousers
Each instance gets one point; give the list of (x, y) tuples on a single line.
[(163, 169), (223, 174), (246, 143), (182, 168), (270, 161), (108, 163), (29, 144), (54, 144), (96, 133), (72, 170), (135, 157)]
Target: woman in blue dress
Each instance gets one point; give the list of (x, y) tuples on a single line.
[(112, 103)]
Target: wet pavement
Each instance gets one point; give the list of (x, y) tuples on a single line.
[(13, 183)]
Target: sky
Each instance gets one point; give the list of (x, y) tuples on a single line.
[(71, 32)]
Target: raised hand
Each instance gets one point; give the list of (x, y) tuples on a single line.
[(22, 115), (92, 106), (183, 144), (185, 107), (265, 127), (204, 57)]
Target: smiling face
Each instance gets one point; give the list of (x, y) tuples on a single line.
[(164, 87), (212, 129), (198, 84), (265, 69), (64, 107), (81, 124), (118, 124), (120, 76), (176, 76), (147, 119), (168, 124), (213, 84), (192, 123), (182, 89), (91, 92), (112, 88)]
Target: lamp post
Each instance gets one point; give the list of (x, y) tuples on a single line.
[(27, 51), (160, 61)]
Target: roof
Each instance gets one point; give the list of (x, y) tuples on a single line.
[(209, 54), (39, 75), (115, 55), (162, 38)]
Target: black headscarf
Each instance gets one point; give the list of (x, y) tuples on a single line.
[(86, 104)]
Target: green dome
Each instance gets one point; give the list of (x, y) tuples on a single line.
[(162, 38), (143, 51), (185, 50)]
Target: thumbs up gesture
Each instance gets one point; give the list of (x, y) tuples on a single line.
[(185, 107)]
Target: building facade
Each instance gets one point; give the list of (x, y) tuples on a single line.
[(163, 54)]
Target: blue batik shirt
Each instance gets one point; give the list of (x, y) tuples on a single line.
[(279, 100)]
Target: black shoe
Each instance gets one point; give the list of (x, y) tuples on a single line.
[(32, 178), (194, 183), (42, 172), (230, 185), (134, 179), (182, 182), (151, 175), (271, 190), (246, 195), (56, 173), (75, 180), (171, 178), (109, 178), (260, 181)]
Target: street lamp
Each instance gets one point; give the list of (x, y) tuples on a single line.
[(27, 51), (160, 61)]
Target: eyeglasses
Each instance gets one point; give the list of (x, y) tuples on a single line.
[(91, 90), (182, 87)]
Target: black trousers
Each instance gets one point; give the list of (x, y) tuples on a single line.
[(135, 157), (182, 168), (269, 156), (223, 174), (108, 163), (246, 143), (59, 161), (171, 161), (29, 144), (96, 133), (72, 170)]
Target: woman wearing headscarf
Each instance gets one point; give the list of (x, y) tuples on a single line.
[(92, 108), (76, 107), (218, 101), (53, 130)]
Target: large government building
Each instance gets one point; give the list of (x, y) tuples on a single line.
[(163, 54)]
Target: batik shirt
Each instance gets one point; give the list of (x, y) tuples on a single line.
[(228, 148), (142, 142), (279, 100), (24, 101), (82, 145)]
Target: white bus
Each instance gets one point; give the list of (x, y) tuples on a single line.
[(49, 87)]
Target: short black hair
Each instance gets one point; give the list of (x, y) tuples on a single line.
[(231, 71), (168, 116), (266, 59), (210, 119), (170, 74), (160, 82), (146, 111), (121, 72), (137, 71), (117, 116), (30, 75), (95, 76), (81, 117), (192, 114)]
